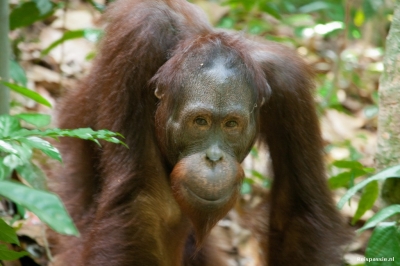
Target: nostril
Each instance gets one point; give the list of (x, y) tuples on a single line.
[(214, 153)]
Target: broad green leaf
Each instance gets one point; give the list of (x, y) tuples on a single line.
[(7, 147), (8, 125), (45, 205), (12, 161), (7, 233), (257, 175), (5, 171), (340, 180), (92, 35), (371, 7), (272, 9), (17, 73), (348, 164), (380, 216), (28, 93), (6, 254), (43, 145), (343, 179), (19, 149), (38, 120), (28, 12), (32, 174), (24, 152), (367, 200), (384, 243), (393, 172), (249, 4)]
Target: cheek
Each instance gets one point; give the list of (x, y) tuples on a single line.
[(183, 139), (242, 142)]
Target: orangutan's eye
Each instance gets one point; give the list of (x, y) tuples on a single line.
[(201, 121), (231, 124)]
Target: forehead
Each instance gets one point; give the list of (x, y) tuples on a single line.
[(219, 86)]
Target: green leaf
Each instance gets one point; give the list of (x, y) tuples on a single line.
[(254, 152), (98, 6), (17, 73), (92, 35), (84, 133), (32, 174), (23, 151), (257, 175), (7, 147), (315, 6), (5, 171), (343, 179), (246, 188), (8, 125), (28, 93), (29, 138), (38, 120), (47, 206), (12, 161), (43, 145), (340, 180), (367, 200), (272, 9), (384, 244), (393, 172), (226, 23), (6, 254), (7, 233), (380, 216), (348, 164), (44, 6), (28, 12)]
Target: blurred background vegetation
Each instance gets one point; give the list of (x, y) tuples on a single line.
[(52, 43)]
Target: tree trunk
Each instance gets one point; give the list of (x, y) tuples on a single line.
[(4, 57), (388, 152)]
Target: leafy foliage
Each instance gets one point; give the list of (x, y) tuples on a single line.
[(28, 93), (384, 245), (384, 242), (17, 143), (16, 151), (90, 34), (28, 12), (8, 235)]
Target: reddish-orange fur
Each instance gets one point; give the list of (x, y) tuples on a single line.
[(121, 199)]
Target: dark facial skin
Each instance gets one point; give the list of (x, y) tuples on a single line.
[(215, 116), (210, 132)]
